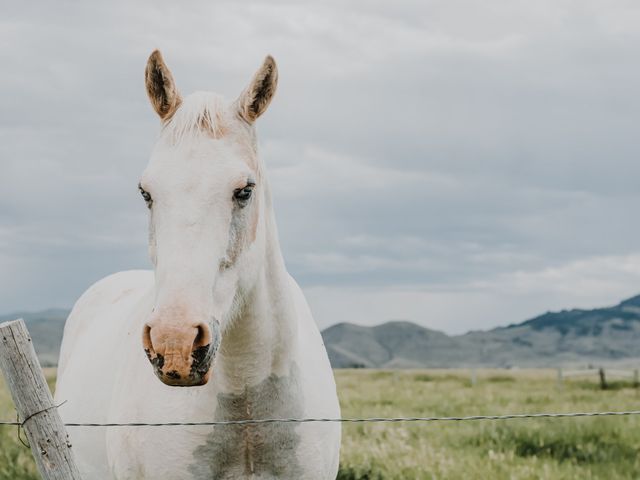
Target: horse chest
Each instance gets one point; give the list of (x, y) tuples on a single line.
[(257, 450)]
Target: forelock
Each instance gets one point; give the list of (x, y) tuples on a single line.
[(199, 113)]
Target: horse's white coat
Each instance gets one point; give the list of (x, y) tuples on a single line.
[(212, 260)]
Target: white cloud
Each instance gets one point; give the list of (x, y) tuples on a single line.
[(509, 298), (315, 171)]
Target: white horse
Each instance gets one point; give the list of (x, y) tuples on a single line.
[(219, 315)]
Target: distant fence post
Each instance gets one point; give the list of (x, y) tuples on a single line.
[(603, 379), (559, 379), (42, 423)]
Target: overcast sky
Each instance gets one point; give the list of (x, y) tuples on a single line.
[(458, 164)]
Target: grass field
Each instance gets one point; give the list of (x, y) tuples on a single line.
[(570, 448)]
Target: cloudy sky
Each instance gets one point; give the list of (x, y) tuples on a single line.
[(455, 163)]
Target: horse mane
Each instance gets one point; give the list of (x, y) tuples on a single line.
[(200, 112)]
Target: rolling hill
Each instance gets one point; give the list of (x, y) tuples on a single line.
[(609, 335)]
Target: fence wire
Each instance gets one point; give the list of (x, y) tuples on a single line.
[(342, 420)]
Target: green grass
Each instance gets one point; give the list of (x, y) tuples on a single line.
[(564, 448), (16, 461)]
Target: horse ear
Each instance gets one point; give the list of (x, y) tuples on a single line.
[(161, 87), (256, 97)]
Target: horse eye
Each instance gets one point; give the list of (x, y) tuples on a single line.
[(146, 195), (242, 195)]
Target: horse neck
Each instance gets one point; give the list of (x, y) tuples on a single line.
[(260, 341)]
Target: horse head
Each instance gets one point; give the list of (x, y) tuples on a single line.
[(206, 195)]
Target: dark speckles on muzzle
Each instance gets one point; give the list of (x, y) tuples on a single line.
[(202, 357), (201, 361), (157, 361)]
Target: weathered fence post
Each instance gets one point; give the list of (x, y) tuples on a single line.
[(603, 379), (42, 423)]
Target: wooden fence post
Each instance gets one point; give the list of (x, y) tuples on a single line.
[(603, 379), (42, 423)]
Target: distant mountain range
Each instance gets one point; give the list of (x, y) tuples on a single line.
[(608, 335)]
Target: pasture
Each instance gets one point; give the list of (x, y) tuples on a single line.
[(569, 448)]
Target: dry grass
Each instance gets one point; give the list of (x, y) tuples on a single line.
[(585, 448)]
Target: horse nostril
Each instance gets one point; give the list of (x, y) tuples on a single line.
[(146, 340), (203, 336)]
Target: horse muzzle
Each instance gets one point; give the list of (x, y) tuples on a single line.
[(181, 355)]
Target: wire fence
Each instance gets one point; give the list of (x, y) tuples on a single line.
[(342, 420), (37, 413)]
